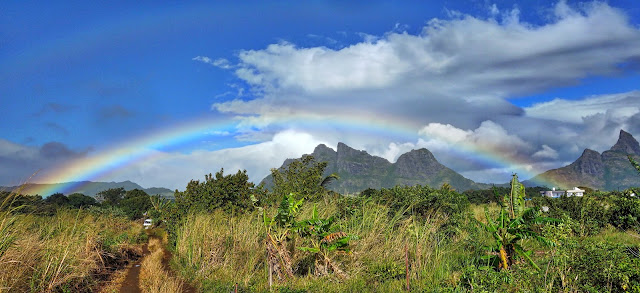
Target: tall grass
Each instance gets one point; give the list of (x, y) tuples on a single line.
[(218, 251), (71, 251)]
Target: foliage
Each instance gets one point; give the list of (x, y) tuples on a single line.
[(606, 267), (111, 196), (625, 212), (231, 193), (514, 224), (588, 214), (78, 200), (420, 200), (322, 238), (57, 199), (135, 203), (303, 176), (634, 163)]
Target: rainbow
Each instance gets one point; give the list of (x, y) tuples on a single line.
[(146, 149), (105, 163), (87, 40)]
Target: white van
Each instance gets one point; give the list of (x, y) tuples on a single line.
[(147, 223)]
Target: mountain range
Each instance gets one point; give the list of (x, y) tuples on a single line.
[(87, 188), (359, 170), (610, 170)]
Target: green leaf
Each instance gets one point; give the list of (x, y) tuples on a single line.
[(309, 249)]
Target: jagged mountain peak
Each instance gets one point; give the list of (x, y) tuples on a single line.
[(626, 144), (359, 170), (607, 171)]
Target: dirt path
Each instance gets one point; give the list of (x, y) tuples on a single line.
[(131, 281)]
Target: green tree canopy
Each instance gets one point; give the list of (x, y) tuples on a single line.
[(232, 193), (304, 176), (79, 200), (111, 196), (57, 199), (135, 203)]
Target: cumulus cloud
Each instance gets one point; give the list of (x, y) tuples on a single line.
[(622, 106), (595, 120), (451, 81), (445, 88), (546, 153), (489, 136), (445, 74), (257, 159)]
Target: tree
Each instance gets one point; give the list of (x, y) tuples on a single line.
[(303, 176), (231, 193), (79, 200), (135, 203), (111, 196), (57, 199)]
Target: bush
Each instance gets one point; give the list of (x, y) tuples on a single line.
[(589, 213), (625, 213)]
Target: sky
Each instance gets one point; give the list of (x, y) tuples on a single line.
[(162, 92)]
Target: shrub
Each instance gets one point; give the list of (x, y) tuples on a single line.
[(625, 213), (230, 193)]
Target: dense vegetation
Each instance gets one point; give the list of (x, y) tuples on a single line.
[(299, 237), (48, 249), (228, 234)]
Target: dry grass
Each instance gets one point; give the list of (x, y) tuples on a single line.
[(220, 250), (71, 250), (218, 247), (153, 276)]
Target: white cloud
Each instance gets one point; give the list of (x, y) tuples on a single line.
[(546, 153), (452, 76), (220, 62), (622, 106), (446, 132), (257, 159), (489, 136), (449, 83)]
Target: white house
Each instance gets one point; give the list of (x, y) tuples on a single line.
[(575, 192), (558, 193)]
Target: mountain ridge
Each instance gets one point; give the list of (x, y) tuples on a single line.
[(610, 170), (88, 188), (358, 170)]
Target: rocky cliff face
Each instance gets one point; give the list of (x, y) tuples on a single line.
[(610, 170), (359, 170)]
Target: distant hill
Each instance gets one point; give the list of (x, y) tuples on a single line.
[(610, 170), (359, 170), (89, 188)]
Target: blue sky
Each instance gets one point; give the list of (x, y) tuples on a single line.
[(491, 87)]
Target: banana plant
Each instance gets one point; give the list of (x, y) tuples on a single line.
[(324, 240), (278, 230), (514, 224)]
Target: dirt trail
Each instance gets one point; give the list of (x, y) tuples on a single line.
[(131, 281)]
